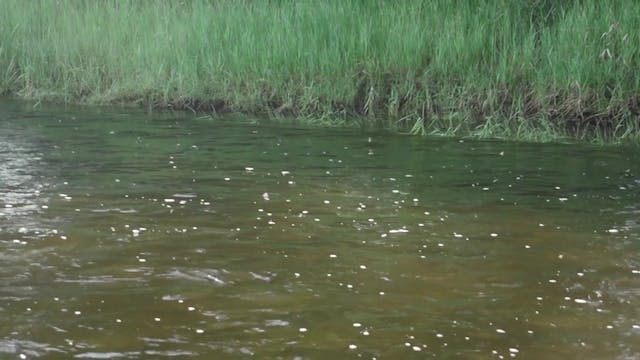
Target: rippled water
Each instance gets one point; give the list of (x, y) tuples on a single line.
[(127, 236)]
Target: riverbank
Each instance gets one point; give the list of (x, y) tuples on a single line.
[(538, 70)]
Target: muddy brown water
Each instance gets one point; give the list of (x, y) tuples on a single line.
[(134, 236)]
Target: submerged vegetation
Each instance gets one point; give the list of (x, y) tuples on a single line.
[(535, 69)]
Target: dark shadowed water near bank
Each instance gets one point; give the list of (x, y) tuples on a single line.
[(128, 236)]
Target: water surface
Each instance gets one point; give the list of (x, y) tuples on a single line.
[(133, 236)]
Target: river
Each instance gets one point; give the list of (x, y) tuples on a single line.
[(125, 235)]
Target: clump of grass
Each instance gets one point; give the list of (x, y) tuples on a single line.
[(535, 69)]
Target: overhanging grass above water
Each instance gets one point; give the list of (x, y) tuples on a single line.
[(536, 69)]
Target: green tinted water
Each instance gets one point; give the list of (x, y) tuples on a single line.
[(125, 236)]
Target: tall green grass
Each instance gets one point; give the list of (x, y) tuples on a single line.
[(535, 69)]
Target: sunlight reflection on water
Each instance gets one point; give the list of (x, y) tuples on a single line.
[(20, 188)]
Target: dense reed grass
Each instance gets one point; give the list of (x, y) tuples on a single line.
[(535, 69)]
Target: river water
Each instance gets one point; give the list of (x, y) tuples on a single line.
[(130, 236)]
